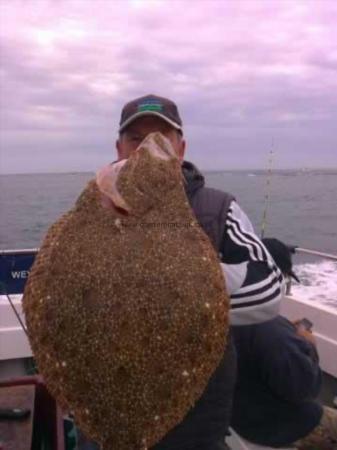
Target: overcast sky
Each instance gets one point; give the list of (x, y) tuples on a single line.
[(243, 73)]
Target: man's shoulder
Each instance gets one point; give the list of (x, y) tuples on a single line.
[(214, 194), (211, 202)]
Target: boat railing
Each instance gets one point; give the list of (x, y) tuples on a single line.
[(308, 251), (21, 251), (315, 253), (295, 249)]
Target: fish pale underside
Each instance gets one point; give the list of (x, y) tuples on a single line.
[(126, 306)]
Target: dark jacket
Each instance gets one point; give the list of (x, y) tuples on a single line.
[(278, 378), (206, 424)]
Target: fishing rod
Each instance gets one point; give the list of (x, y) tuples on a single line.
[(267, 194)]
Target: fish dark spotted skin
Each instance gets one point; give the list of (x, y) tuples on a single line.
[(127, 314)]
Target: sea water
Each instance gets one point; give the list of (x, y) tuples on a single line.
[(300, 208)]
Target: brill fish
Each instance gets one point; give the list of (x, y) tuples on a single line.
[(126, 306)]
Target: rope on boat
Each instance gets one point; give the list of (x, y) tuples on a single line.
[(17, 314)]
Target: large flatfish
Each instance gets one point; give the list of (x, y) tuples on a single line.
[(125, 304)]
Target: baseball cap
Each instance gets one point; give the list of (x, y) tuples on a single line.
[(281, 254), (151, 105)]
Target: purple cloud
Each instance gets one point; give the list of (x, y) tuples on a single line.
[(242, 73)]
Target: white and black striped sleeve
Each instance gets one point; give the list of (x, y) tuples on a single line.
[(254, 282)]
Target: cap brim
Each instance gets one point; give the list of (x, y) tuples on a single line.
[(148, 113)]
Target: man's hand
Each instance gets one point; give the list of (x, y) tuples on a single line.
[(304, 332)]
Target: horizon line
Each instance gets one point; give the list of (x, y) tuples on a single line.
[(234, 169)]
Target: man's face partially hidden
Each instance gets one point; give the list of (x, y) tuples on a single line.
[(134, 134)]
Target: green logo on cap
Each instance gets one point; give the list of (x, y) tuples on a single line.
[(150, 107)]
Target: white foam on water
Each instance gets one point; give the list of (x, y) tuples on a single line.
[(318, 282)]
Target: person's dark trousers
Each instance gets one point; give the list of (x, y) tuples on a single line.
[(206, 424)]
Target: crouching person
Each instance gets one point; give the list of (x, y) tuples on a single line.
[(279, 379)]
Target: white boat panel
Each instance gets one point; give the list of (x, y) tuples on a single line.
[(7, 315), (13, 341), (14, 344)]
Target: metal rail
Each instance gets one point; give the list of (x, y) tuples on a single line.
[(21, 251), (316, 253), (297, 250)]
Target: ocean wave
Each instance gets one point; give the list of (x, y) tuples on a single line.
[(318, 282)]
